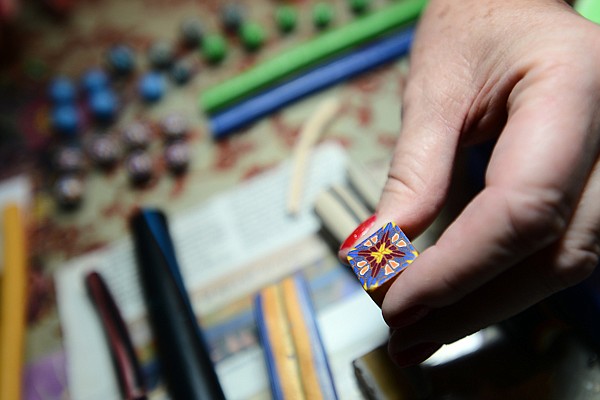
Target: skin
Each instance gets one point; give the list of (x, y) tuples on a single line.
[(522, 71)]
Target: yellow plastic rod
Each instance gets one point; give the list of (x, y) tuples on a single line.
[(13, 301)]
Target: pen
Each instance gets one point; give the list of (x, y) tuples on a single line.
[(13, 303), (123, 354), (182, 351)]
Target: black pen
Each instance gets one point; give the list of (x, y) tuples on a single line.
[(185, 361)]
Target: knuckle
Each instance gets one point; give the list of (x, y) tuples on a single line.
[(452, 288), (577, 263), (539, 218), (414, 186), (573, 266), (446, 105)]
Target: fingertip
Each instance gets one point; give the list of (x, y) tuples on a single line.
[(408, 316), (361, 231)]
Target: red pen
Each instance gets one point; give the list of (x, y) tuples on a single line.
[(123, 354)]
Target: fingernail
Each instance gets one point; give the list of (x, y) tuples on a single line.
[(408, 316), (415, 355), (358, 232)]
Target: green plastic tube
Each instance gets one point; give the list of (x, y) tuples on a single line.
[(589, 9), (306, 54)]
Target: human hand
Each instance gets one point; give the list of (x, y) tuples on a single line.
[(526, 72)]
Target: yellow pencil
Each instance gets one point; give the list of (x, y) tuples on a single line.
[(12, 303)]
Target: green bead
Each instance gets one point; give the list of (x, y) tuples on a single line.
[(253, 35), (287, 18), (214, 48), (322, 15), (359, 6)]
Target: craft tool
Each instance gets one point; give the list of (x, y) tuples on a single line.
[(296, 359), (308, 137), (589, 9), (378, 260), (339, 70), (337, 222), (351, 202), (13, 302), (310, 53), (280, 353), (367, 184), (182, 350), (129, 373)]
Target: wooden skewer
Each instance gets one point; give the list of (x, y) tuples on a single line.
[(309, 135)]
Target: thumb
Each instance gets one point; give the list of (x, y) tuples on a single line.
[(421, 167)]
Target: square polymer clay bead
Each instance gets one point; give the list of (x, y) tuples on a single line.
[(380, 258)]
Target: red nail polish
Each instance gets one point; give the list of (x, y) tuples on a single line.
[(358, 232), (415, 355)]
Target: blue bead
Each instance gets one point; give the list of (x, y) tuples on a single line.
[(152, 86), (94, 80), (62, 91), (121, 59), (103, 105), (65, 120)]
